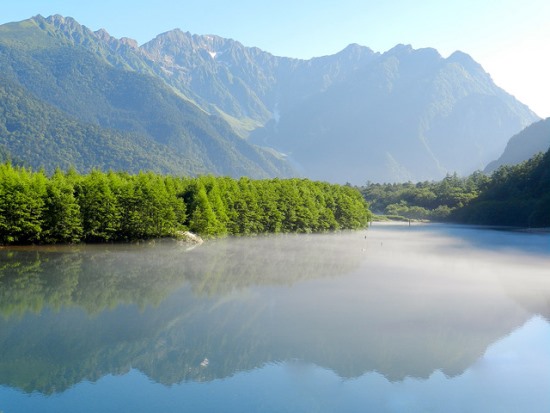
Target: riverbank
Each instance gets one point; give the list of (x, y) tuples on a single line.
[(397, 218)]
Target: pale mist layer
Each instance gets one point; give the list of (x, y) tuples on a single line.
[(397, 300)]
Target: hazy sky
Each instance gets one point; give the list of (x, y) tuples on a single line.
[(510, 38)]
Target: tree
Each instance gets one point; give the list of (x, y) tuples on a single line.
[(118, 206), (203, 219), (22, 195), (62, 220), (99, 208)]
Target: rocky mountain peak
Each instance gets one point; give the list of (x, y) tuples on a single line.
[(356, 51), (465, 60), (400, 49), (175, 37), (176, 41), (129, 42), (66, 24), (102, 34), (68, 28), (113, 42)]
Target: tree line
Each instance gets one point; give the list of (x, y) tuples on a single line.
[(516, 195), (513, 195), (67, 207), (425, 200)]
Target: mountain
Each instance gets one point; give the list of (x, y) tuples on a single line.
[(70, 99), (356, 115), (222, 107), (38, 134), (407, 115), (530, 141), (247, 86)]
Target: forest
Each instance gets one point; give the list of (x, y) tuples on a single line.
[(424, 200), (68, 207), (516, 195), (513, 195)]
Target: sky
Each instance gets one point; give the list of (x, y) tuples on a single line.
[(509, 38)]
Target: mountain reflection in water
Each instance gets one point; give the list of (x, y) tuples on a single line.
[(402, 302)]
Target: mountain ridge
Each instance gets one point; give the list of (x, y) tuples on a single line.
[(357, 115), (521, 147), (96, 88)]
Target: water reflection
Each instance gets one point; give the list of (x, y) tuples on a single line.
[(100, 277), (401, 303)]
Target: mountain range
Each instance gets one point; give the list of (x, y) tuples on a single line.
[(66, 103), (192, 104)]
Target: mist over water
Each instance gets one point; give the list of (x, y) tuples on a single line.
[(397, 318)]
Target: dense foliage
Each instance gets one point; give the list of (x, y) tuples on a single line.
[(424, 200), (40, 135), (517, 195), (103, 207)]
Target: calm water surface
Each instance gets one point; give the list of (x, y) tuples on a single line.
[(425, 318)]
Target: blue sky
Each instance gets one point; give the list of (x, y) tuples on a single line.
[(510, 38)]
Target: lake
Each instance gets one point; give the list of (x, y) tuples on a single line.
[(426, 318)]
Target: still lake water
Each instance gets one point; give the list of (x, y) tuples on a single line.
[(428, 318)]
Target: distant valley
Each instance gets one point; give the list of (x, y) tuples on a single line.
[(190, 104)]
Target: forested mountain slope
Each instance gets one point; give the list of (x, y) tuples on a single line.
[(58, 81), (354, 116), (530, 141), (517, 195)]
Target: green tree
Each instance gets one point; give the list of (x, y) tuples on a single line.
[(22, 195), (62, 220), (99, 208), (203, 219)]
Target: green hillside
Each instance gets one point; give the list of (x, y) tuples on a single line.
[(36, 134), (517, 195), (81, 106)]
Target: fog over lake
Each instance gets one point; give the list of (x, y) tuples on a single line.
[(394, 318)]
